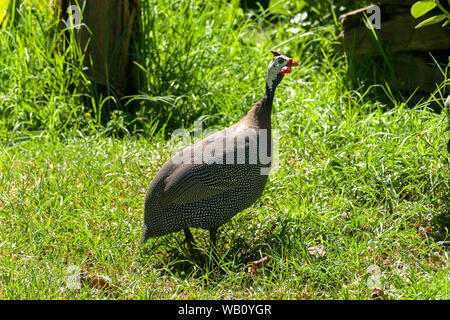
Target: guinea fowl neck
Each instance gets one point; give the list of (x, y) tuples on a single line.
[(260, 115)]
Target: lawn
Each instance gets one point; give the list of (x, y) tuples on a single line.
[(360, 200)]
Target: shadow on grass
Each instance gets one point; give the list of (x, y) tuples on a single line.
[(440, 222), (235, 251), (391, 80)]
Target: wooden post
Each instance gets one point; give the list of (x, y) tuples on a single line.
[(110, 32)]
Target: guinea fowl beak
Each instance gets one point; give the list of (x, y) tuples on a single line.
[(291, 63)]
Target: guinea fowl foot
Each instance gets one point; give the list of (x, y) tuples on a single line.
[(189, 238), (212, 237)]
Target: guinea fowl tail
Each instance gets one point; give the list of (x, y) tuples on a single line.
[(145, 234)]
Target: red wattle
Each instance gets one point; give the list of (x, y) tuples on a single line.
[(286, 70)]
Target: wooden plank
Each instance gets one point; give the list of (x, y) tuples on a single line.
[(397, 33), (413, 70)]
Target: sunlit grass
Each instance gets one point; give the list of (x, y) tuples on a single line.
[(366, 183)]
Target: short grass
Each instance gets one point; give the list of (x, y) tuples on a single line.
[(361, 198)]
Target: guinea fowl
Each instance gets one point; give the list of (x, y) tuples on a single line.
[(207, 183)]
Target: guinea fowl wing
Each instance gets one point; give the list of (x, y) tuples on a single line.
[(192, 182)]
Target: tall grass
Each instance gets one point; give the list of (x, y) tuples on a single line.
[(40, 86), (185, 58), (194, 52)]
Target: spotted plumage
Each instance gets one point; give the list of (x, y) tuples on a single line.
[(229, 176)]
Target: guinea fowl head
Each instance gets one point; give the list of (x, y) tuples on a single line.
[(278, 67)]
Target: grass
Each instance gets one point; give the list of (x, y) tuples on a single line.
[(360, 183)]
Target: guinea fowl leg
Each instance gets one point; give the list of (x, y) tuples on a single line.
[(212, 237), (189, 237)]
